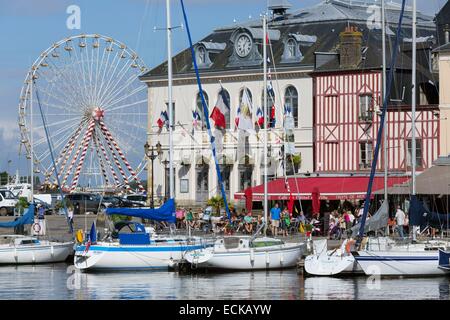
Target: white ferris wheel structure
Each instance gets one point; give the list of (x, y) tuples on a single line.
[(95, 111)]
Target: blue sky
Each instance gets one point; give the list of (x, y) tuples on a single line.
[(28, 27)]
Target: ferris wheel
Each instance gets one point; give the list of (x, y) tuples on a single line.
[(95, 111)]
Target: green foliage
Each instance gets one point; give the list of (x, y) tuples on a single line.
[(217, 203), (3, 178), (296, 159), (117, 217), (22, 204), (60, 204)]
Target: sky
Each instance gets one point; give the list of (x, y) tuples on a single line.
[(28, 27)]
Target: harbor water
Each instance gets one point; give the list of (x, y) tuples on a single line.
[(61, 282)]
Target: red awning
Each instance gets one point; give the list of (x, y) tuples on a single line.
[(329, 187)]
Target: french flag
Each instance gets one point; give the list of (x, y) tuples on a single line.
[(196, 118), (222, 107), (260, 116), (163, 119), (236, 120)]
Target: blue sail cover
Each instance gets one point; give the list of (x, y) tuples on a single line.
[(420, 216), (164, 213), (27, 218)]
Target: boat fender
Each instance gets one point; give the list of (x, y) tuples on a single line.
[(33, 257), (52, 251), (79, 236), (252, 255), (348, 246), (267, 258), (15, 254), (281, 258)]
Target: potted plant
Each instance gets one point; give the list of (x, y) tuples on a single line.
[(297, 160), (21, 205)]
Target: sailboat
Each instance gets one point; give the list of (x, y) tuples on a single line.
[(406, 259), (22, 249), (245, 252), (141, 248)]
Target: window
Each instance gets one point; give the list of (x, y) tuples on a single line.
[(365, 107), (199, 108), (291, 102), (226, 173), (365, 154), (245, 177), (201, 55), (419, 156), (291, 44), (241, 94), (270, 103)]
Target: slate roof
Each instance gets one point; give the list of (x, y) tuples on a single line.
[(324, 21)]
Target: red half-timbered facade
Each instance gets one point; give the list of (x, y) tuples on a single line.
[(347, 118)]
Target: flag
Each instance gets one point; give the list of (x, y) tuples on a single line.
[(221, 108), (260, 116), (163, 120), (93, 233), (248, 199), (272, 116), (236, 120), (290, 204), (196, 118), (245, 114)]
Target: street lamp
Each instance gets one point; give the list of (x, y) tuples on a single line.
[(165, 162), (150, 153)]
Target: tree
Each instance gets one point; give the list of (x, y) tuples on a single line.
[(3, 178)]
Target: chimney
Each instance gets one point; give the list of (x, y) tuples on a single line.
[(350, 41), (279, 7)]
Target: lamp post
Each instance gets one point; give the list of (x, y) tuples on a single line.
[(165, 162), (150, 153)]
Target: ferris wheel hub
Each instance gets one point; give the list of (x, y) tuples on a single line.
[(98, 114)]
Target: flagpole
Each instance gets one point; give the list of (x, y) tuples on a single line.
[(266, 122), (169, 70)]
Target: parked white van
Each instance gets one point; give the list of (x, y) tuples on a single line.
[(7, 202)]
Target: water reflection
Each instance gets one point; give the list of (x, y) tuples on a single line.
[(57, 282)]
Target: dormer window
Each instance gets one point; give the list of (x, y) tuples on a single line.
[(201, 55), (291, 48), (293, 45), (205, 52)]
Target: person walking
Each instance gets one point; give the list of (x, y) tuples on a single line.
[(400, 218), (70, 217), (285, 222), (275, 213)]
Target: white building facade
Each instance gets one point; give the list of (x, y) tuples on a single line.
[(240, 155)]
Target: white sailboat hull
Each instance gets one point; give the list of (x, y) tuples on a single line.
[(107, 256), (35, 254), (400, 263), (331, 265), (274, 257)]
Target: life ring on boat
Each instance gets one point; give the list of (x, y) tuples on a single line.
[(36, 227)]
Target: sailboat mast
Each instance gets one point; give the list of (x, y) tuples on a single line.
[(266, 122), (413, 108), (413, 101), (386, 165), (31, 138), (170, 104)]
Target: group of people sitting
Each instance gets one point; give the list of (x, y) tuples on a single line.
[(280, 221)]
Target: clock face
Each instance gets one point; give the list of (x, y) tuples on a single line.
[(243, 45)]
